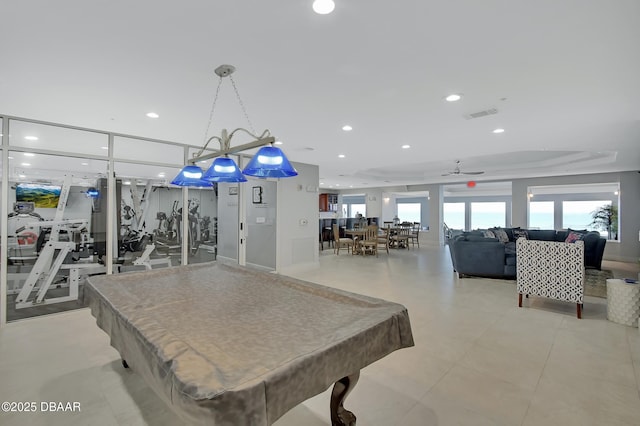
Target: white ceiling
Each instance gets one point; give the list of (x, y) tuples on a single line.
[(563, 76)]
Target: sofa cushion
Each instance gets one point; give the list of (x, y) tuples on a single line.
[(479, 238), (489, 233), (542, 234), (501, 234), (561, 236), (572, 237), (517, 233), (510, 248)]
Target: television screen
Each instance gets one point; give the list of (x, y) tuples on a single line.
[(43, 196)]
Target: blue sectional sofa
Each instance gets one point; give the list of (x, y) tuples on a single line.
[(491, 253)]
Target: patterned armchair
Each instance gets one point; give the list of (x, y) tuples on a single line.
[(551, 269)]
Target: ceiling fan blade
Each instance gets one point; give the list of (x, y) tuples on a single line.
[(472, 173), (445, 174)]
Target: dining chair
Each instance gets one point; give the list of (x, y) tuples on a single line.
[(383, 238), (401, 237), (340, 242), (369, 242), (413, 235)]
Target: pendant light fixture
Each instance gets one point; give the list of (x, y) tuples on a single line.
[(224, 169), (191, 176), (270, 161)]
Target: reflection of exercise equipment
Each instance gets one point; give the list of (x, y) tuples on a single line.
[(23, 243), (52, 257), (147, 262), (135, 237), (168, 234), (193, 228)]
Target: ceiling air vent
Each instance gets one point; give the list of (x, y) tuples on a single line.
[(479, 114)]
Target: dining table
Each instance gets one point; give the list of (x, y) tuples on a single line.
[(357, 234)]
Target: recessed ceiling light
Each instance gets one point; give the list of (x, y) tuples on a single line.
[(161, 174), (337, 184), (321, 183), (10, 158), (25, 164), (126, 182), (22, 176), (85, 164), (29, 154), (406, 146), (323, 7), (340, 155), (277, 143), (31, 138), (152, 115), (104, 147), (453, 97), (347, 128), (498, 131)]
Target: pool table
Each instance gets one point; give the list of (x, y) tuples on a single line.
[(227, 345)]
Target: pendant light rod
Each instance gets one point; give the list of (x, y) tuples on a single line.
[(226, 148), (268, 162)]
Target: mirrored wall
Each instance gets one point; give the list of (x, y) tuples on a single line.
[(54, 237), (62, 226)]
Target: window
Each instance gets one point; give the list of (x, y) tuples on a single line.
[(488, 215), (409, 212), (354, 204), (354, 209), (580, 215), (453, 215), (541, 215)]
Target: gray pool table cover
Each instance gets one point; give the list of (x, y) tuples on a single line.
[(226, 345)]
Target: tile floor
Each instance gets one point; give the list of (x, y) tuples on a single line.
[(478, 358)]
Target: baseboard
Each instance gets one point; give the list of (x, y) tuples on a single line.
[(627, 259)]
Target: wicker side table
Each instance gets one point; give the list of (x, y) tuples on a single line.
[(623, 302)]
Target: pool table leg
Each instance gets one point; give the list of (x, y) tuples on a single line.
[(339, 415)]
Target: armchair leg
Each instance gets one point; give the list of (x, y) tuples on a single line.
[(579, 310), (519, 300)]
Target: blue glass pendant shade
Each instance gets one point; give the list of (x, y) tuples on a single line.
[(270, 162), (191, 176), (224, 169)]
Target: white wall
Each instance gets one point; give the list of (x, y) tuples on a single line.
[(373, 201), (297, 221), (261, 229)]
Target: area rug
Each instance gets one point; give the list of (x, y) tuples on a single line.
[(595, 283)]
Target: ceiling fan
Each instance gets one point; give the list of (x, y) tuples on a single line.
[(457, 171)]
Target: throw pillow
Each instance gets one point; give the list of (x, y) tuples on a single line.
[(489, 234), (517, 233), (572, 237), (501, 235)]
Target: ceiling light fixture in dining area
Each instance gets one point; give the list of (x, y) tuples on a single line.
[(268, 162)]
